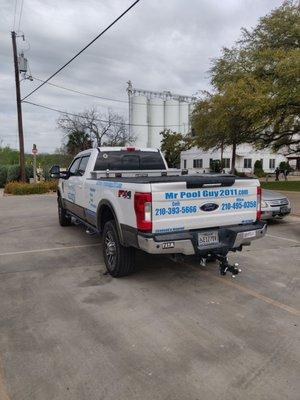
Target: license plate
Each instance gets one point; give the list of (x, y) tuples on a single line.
[(284, 209), (207, 238)]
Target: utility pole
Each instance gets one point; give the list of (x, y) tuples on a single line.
[(19, 107), (34, 152)]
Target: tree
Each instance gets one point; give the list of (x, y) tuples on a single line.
[(78, 141), (173, 144), (76, 136), (219, 121), (8, 156), (264, 67), (88, 127)]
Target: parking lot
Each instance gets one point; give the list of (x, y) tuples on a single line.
[(171, 331)]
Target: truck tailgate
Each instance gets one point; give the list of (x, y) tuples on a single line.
[(176, 207)]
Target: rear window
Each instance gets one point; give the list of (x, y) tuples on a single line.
[(129, 160)]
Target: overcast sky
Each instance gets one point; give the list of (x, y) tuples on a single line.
[(159, 45)]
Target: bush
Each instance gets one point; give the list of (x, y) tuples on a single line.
[(258, 169), (3, 175), (19, 188), (46, 173), (51, 185), (13, 173), (216, 166), (28, 172), (285, 166)]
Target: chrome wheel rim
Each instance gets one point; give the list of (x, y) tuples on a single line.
[(110, 250)]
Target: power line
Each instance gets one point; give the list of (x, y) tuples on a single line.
[(80, 92), (100, 97), (82, 50), (99, 119), (21, 11)]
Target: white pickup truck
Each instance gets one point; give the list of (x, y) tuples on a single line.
[(131, 197)]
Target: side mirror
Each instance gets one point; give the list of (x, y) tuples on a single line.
[(55, 172)]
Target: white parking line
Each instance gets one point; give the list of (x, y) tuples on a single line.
[(283, 238), (12, 253)]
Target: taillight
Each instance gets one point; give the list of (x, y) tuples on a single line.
[(129, 149), (258, 209), (143, 211)]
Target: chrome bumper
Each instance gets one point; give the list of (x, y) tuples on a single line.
[(180, 246), (241, 237), (190, 247)]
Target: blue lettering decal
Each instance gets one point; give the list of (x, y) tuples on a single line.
[(171, 195)]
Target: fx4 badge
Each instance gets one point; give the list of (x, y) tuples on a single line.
[(125, 194)]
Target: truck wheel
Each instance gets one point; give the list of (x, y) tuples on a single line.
[(63, 217), (119, 260)]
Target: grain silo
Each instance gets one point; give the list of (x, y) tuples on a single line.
[(156, 118), (152, 112), (172, 114), (184, 112), (139, 120)]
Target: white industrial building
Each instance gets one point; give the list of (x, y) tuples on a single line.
[(246, 156), (152, 112)]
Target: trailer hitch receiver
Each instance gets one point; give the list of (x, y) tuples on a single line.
[(226, 267)]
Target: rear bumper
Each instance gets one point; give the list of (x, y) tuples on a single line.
[(230, 238)]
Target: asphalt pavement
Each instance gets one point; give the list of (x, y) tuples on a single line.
[(171, 331)]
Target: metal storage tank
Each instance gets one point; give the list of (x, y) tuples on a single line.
[(183, 117), (139, 120), (172, 115), (150, 112), (156, 118)]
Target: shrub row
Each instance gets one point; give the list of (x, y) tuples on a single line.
[(19, 188), (9, 173)]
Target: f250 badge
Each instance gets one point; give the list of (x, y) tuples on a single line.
[(125, 194), (209, 207)]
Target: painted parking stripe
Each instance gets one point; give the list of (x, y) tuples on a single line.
[(283, 238), (12, 253), (257, 295), (250, 292)]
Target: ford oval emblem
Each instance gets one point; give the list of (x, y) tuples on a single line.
[(209, 207)]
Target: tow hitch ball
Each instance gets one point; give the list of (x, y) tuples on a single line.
[(226, 267)]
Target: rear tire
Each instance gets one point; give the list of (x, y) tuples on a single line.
[(63, 217), (119, 260)]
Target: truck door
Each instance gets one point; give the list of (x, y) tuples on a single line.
[(81, 198), (72, 189)]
